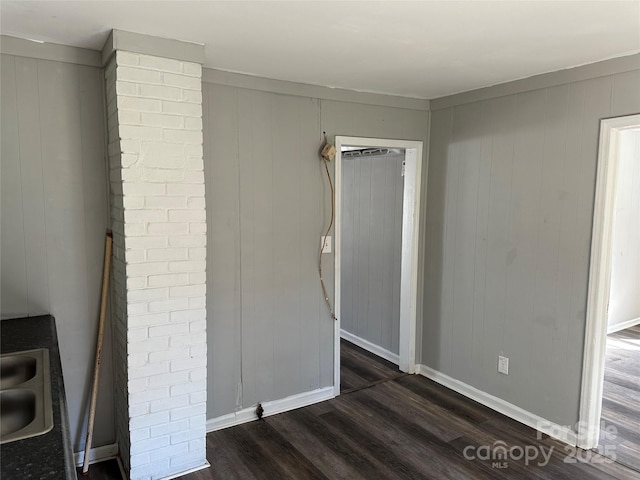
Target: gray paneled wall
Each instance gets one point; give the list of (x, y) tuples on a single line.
[(624, 300), (372, 192), (510, 208), (54, 217), (269, 334)]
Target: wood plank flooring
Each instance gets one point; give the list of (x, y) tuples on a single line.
[(621, 398), (360, 368), (406, 427)]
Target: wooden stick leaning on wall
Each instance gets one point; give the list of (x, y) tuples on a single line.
[(96, 371)]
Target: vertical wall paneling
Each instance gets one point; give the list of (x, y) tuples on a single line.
[(257, 234), (268, 202), (501, 117), (14, 294), (481, 239), (54, 217), (509, 218), (265, 187), (435, 243), (524, 218), (546, 286), (223, 256), (371, 248), (65, 216), (33, 204), (468, 139)]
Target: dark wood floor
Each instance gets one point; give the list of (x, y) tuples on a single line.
[(107, 470), (404, 427), (387, 425), (621, 397), (359, 368)]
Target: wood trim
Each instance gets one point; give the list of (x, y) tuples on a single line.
[(623, 325), (559, 432), (370, 347), (252, 82), (272, 407), (21, 47), (551, 79), (595, 342)]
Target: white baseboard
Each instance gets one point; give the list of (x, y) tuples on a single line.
[(622, 326), (97, 454), (370, 347), (559, 432), (186, 472), (271, 408)]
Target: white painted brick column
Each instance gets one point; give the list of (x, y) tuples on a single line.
[(154, 107)]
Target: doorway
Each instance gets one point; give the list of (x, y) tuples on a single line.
[(388, 334), (610, 405)]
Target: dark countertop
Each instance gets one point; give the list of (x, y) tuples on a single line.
[(48, 456)]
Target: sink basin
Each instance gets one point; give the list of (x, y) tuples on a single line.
[(25, 395), (16, 369), (17, 410)]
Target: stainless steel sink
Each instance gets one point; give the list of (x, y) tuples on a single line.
[(25, 395), (16, 369)]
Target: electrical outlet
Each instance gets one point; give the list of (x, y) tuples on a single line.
[(503, 365), (326, 244)]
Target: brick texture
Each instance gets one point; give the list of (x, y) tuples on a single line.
[(158, 289)]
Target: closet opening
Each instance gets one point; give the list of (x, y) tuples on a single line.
[(377, 203)]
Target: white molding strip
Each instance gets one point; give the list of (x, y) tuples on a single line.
[(595, 338), (186, 472), (370, 347), (49, 51), (97, 454), (252, 82), (550, 79), (560, 432), (272, 407), (623, 325)]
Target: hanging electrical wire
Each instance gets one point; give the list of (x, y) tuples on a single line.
[(327, 154)]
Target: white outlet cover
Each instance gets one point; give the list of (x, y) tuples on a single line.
[(326, 246), (503, 365)]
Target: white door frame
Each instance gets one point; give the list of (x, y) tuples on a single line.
[(595, 343), (410, 246)]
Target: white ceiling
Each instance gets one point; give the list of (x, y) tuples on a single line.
[(423, 49)]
